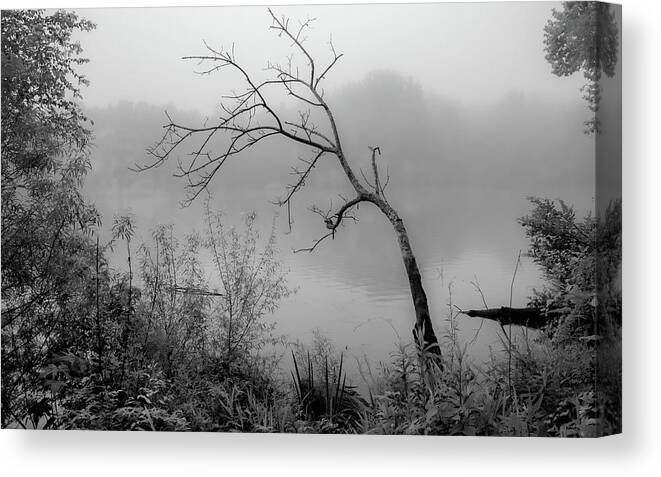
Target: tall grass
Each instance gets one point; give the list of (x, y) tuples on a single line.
[(329, 404)]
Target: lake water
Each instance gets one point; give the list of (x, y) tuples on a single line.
[(354, 289), (459, 188)]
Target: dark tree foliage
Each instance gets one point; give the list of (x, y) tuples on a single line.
[(40, 86), (47, 255), (583, 36), (556, 239), (581, 262)]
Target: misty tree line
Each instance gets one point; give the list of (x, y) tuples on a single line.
[(156, 347)]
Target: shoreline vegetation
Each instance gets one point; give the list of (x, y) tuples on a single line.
[(152, 344)]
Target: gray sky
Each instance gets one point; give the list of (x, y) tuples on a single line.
[(471, 52)]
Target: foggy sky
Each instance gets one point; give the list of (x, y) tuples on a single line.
[(462, 92), (470, 52)]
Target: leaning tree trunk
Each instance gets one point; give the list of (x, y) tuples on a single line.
[(423, 326)]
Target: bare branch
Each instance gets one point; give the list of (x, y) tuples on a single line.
[(282, 26), (301, 181), (336, 57), (385, 184), (241, 124), (316, 243), (250, 119), (367, 181), (334, 220), (193, 291), (377, 184)]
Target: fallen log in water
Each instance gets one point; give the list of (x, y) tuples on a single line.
[(530, 317)]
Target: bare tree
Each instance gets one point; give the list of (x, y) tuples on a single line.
[(248, 118)]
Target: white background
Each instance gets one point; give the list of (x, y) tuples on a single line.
[(636, 452)]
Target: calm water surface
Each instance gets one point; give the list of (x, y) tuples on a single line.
[(459, 186), (355, 291)]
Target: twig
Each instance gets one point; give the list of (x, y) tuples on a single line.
[(509, 337), (476, 284)]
